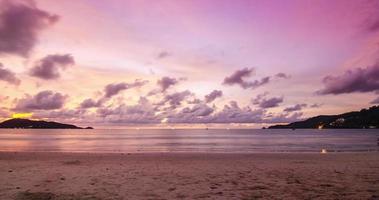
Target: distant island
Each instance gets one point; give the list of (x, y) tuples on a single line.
[(366, 118), (34, 124)]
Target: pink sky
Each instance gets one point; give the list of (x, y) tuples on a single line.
[(166, 62)]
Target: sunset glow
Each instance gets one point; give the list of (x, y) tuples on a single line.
[(143, 63), (22, 115)]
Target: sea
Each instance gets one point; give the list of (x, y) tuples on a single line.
[(189, 140)]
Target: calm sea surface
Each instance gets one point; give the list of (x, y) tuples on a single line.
[(188, 140)]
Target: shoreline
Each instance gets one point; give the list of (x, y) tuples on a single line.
[(363, 151), (28, 175)]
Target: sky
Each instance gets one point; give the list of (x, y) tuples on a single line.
[(166, 63)]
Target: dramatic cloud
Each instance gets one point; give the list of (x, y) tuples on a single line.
[(197, 113), (166, 82), (271, 102), (142, 112), (296, 107), (90, 103), (176, 98), (357, 80), (213, 95), (8, 76), (232, 113), (45, 100), (50, 66), (263, 102), (115, 88), (20, 24), (237, 78), (202, 113)]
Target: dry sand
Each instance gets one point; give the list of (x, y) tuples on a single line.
[(82, 176)]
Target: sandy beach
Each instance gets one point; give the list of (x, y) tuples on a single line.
[(26, 176)]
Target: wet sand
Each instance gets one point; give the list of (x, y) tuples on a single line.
[(79, 176)]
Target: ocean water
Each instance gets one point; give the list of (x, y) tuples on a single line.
[(185, 140)]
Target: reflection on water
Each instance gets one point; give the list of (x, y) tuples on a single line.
[(188, 140)]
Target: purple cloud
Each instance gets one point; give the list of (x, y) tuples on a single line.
[(197, 113), (283, 118), (142, 112), (115, 88), (316, 105), (238, 78), (45, 100), (232, 113), (296, 107), (213, 95), (175, 99), (8, 76), (20, 24), (163, 54), (49, 67), (282, 75), (166, 82), (375, 101), (263, 102), (90, 103), (372, 22), (271, 102), (357, 80), (4, 113)]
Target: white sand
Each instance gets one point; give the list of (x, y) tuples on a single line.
[(189, 176)]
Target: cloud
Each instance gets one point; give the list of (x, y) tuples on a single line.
[(45, 100), (163, 54), (175, 99), (20, 24), (316, 105), (356, 80), (237, 78), (8, 76), (372, 22), (271, 102), (111, 90), (232, 113), (49, 67), (4, 113), (90, 103), (197, 113), (62, 114), (263, 102), (115, 88), (283, 118), (296, 107), (166, 82), (375, 101), (142, 112), (213, 95), (282, 75), (202, 113)]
